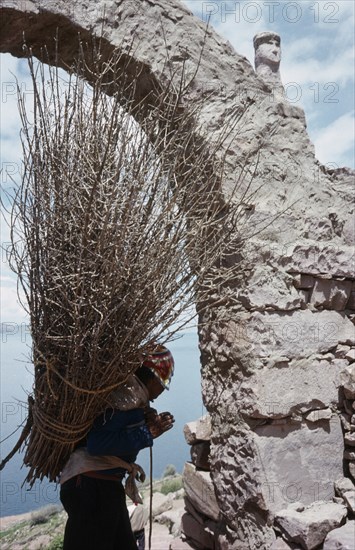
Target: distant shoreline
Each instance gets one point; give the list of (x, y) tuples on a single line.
[(9, 521)]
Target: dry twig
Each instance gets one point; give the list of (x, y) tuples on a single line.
[(121, 225)]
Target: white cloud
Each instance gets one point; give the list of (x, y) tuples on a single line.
[(302, 68), (335, 142)]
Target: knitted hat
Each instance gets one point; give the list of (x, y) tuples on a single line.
[(160, 361)]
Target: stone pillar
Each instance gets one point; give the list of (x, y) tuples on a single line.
[(267, 46)]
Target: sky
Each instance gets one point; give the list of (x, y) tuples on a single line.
[(317, 70)]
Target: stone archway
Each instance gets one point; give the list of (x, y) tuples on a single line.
[(271, 358)]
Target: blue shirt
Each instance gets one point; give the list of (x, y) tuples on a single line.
[(119, 433)]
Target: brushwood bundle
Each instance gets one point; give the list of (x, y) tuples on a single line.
[(117, 225)]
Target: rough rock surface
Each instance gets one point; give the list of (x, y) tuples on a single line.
[(343, 485), (347, 380), (205, 538), (295, 471), (310, 527), (161, 503), (199, 430), (341, 538), (264, 321), (286, 466), (281, 544), (287, 387), (317, 415), (179, 544), (200, 453), (199, 489), (349, 439), (298, 334), (349, 500), (172, 519), (331, 294)]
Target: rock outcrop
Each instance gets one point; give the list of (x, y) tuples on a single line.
[(279, 343), (310, 526)]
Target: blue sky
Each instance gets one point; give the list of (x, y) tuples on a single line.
[(317, 70)]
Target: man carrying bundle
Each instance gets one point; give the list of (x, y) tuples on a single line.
[(91, 482)]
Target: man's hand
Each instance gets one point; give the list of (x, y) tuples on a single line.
[(150, 414), (159, 423)]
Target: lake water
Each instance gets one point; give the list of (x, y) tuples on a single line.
[(183, 400)]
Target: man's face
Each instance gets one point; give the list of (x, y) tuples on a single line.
[(269, 51), (154, 388)]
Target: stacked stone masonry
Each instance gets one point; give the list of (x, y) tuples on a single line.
[(325, 292), (323, 524), (200, 524)]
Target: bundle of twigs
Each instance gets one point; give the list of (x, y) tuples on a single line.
[(119, 225)]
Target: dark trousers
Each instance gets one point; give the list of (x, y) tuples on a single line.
[(97, 515), (140, 539)]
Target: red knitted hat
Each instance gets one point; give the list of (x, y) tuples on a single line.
[(160, 361)]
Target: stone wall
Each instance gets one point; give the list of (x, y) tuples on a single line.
[(202, 525), (326, 522), (274, 347), (281, 430)]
